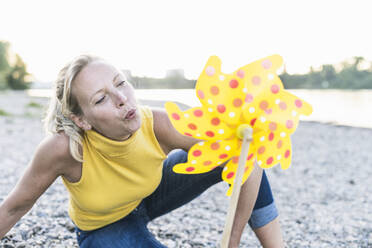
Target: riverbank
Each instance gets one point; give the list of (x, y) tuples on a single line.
[(324, 199)]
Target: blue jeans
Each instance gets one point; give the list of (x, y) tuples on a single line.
[(174, 191)]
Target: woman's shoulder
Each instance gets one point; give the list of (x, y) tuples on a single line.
[(57, 144), (54, 150), (159, 116)]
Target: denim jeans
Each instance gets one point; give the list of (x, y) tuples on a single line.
[(174, 191)]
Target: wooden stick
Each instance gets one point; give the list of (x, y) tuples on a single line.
[(247, 138)]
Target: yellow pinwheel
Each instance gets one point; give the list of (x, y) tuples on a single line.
[(253, 95)]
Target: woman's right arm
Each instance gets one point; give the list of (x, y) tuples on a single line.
[(45, 167)]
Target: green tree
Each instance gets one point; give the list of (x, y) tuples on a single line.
[(16, 77), (350, 76), (357, 61), (4, 65), (328, 72)]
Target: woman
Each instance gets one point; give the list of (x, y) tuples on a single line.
[(112, 156)]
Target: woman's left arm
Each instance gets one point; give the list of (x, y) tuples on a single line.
[(168, 137)]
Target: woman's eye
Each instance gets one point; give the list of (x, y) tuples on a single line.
[(121, 83), (100, 100)]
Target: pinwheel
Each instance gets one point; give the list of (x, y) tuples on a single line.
[(252, 97)]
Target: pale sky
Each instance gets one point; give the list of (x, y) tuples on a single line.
[(150, 37)]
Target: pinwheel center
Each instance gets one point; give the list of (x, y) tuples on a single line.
[(244, 128)]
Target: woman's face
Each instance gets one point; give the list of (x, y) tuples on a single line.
[(107, 101)]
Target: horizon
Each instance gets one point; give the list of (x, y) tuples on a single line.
[(338, 66)]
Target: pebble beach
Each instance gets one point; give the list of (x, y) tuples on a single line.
[(324, 199)]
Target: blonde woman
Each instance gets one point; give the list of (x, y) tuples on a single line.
[(112, 156)]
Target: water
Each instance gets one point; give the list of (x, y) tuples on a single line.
[(340, 107)]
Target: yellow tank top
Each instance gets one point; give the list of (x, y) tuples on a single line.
[(116, 175)]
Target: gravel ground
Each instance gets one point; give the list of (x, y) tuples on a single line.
[(324, 199)]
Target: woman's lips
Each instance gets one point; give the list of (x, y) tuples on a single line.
[(131, 114)]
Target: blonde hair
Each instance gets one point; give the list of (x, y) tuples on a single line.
[(63, 103)]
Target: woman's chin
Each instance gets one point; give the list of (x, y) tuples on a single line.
[(134, 124)]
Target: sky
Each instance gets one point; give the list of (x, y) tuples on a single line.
[(150, 37)]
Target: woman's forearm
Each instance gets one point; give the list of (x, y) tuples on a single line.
[(8, 218), (247, 199)]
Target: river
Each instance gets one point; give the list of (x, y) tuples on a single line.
[(340, 107)]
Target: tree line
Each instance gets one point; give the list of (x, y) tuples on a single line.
[(13, 71), (353, 74)]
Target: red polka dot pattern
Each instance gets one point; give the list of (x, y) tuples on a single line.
[(275, 88), (266, 64), (256, 80), (298, 103), (248, 98), (263, 105), (201, 94), (215, 146), (175, 116), (287, 153), (230, 175), (252, 95), (269, 111), (261, 150), (209, 134), (210, 71), (208, 162), (279, 144), (221, 108), (250, 156), (272, 126), (282, 105), (270, 160), (214, 90), (235, 159), (240, 73), (237, 102), (192, 126), (198, 113), (234, 83), (215, 121), (253, 121), (196, 153), (289, 124), (222, 156)]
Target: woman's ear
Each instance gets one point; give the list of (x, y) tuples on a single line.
[(80, 122)]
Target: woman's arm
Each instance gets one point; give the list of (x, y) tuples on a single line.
[(44, 168), (247, 199)]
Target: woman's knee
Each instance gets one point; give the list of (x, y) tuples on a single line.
[(265, 196), (175, 157)]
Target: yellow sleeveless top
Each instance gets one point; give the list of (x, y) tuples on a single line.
[(116, 175)]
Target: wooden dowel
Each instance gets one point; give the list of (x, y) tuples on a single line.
[(247, 138)]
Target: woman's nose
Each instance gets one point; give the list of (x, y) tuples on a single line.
[(120, 99)]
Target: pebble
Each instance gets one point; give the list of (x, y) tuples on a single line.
[(324, 199)]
